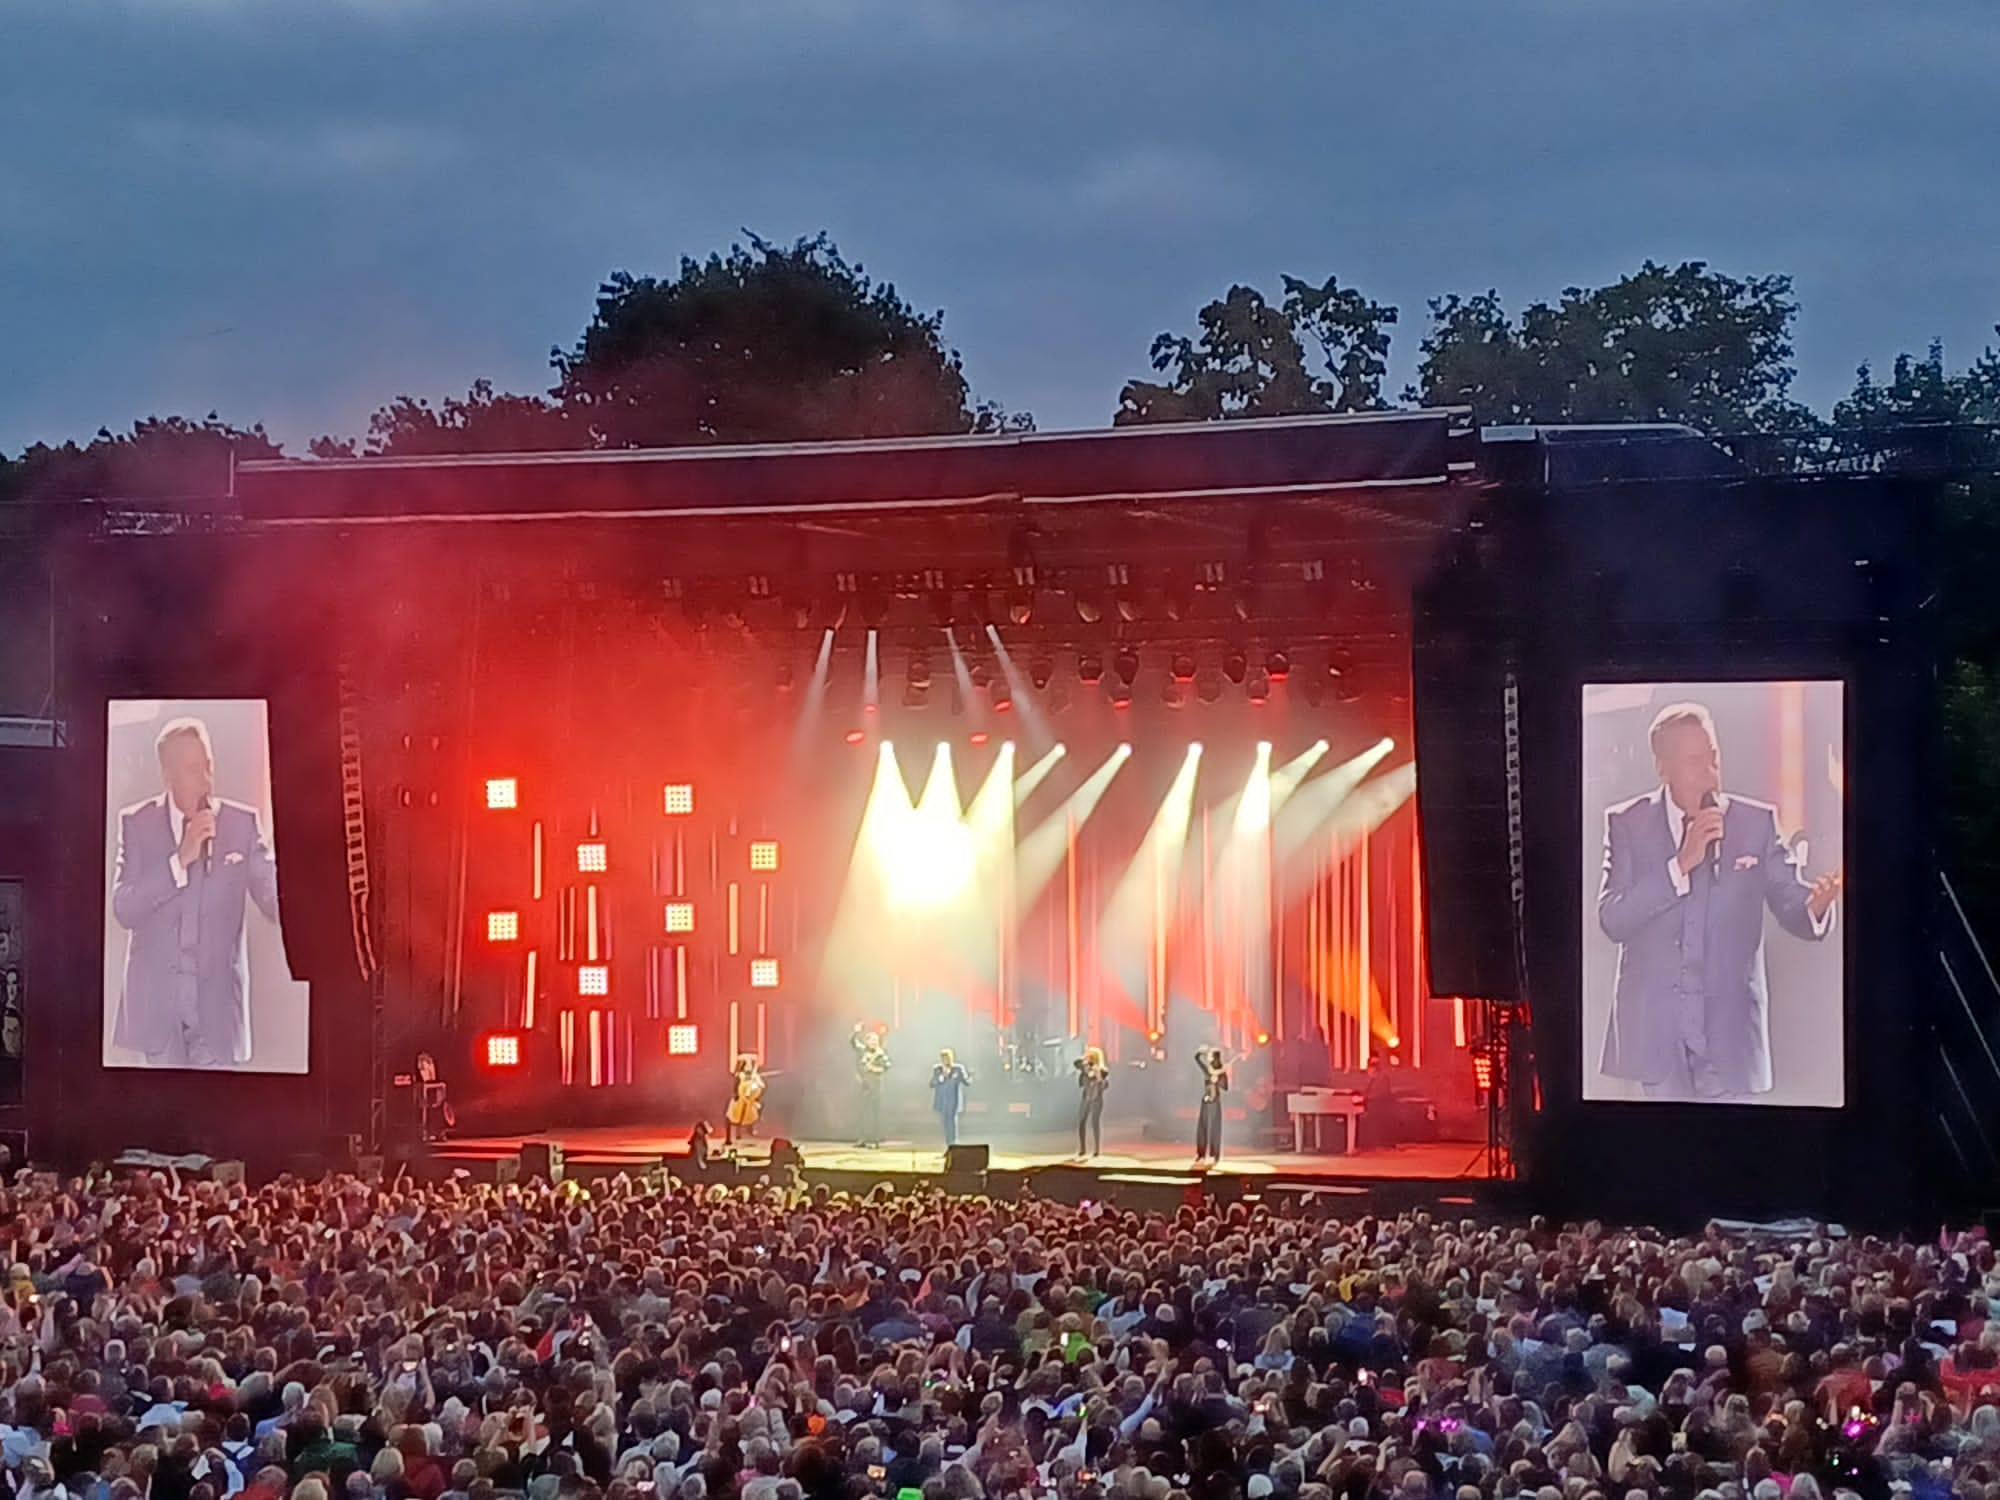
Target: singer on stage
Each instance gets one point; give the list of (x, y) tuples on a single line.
[(1214, 1067), (1093, 1082), (871, 1065), (1688, 873), (189, 866), (746, 1099), (949, 1081)]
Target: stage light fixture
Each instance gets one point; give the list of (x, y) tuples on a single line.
[(592, 859), (503, 793), (1183, 668), (1235, 666), (1121, 695), (1125, 750), (856, 736), (1263, 1038), (917, 671), (593, 979), (503, 926), (1278, 666), (1172, 693), (763, 856), (915, 696), (1021, 606), (1040, 670), (1089, 606), (1482, 1071), (503, 1049), (1194, 750), (677, 799), (763, 973), (1090, 666), (977, 737), (683, 1039), (1061, 751), (680, 916), (1208, 685), (1126, 665), (1003, 696), (1259, 687)]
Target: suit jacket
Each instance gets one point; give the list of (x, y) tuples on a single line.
[(1691, 968), (188, 961)]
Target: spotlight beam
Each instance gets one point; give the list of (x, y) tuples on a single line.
[(1316, 800), (810, 705), (1035, 775), (1041, 852)]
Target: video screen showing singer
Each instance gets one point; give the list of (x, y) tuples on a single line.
[(1690, 870), (190, 866)]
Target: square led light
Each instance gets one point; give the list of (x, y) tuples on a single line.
[(502, 792), (503, 926), (591, 859), (683, 1040), (503, 1050), (764, 855), (593, 979), (678, 800), (680, 916), (763, 973)]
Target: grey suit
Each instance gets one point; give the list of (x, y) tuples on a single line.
[(186, 996), (1691, 999)]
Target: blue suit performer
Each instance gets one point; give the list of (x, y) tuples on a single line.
[(949, 1081), (1688, 874), (189, 867)]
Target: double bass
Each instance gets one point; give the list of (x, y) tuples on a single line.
[(746, 1105)]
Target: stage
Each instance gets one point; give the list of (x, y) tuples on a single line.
[(1137, 1171)]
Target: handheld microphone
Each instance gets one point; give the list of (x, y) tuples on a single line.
[(207, 845), (1715, 848)]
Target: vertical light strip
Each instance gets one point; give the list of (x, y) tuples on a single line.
[(1364, 954), (735, 919), (528, 994), (596, 1048), (1074, 935), (763, 1034), (1791, 758), (536, 873), (566, 1041), (590, 922), (1419, 991), (735, 1031), (680, 984), (764, 918), (1458, 1020)]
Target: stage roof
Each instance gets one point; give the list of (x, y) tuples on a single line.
[(1406, 459)]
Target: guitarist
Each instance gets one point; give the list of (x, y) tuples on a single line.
[(1208, 1122), (746, 1101)]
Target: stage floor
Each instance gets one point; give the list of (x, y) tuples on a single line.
[(607, 1145)]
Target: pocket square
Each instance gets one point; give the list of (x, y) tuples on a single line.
[(235, 857), (1746, 862)]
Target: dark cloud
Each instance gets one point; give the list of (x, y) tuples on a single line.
[(292, 209)]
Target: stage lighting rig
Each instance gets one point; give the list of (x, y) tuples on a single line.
[(1126, 665), (1278, 666), (1208, 684), (1258, 687), (1236, 666), (1090, 666), (1183, 667), (1040, 670)]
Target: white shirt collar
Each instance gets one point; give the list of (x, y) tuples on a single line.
[(176, 819)]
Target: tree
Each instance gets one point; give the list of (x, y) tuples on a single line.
[(764, 344), (167, 459), (485, 421), (1249, 359), (1685, 344)]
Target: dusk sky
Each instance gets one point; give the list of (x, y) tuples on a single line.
[(289, 211)]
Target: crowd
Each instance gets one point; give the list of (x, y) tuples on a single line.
[(339, 1340)]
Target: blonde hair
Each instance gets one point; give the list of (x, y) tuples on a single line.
[(947, 1057), (1094, 1056)]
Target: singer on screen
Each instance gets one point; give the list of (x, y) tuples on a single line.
[(189, 864), (1688, 873)]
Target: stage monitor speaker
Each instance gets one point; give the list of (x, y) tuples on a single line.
[(542, 1159), (785, 1154), (967, 1161)]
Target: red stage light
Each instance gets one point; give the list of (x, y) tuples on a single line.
[(678, 799), (977, 737), (592, 859), (503, 1049), (856, 736), (502, 792), (1482, 1072), (503, 926), (764, 855), (683, 1040), (1263, 1038), (763, 973), (593, 979), (680, 916)]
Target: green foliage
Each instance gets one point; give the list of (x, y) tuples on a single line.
[(1685, 344), (1249, 360), (484, 421), (765, 344), (165, 457)]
